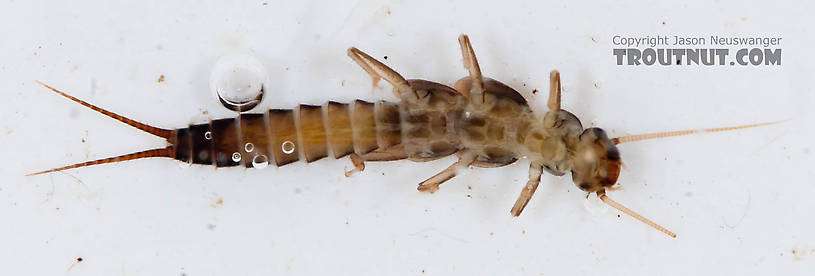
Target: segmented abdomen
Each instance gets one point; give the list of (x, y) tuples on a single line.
[(283, 136)]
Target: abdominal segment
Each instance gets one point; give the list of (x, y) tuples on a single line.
[(284, 136)]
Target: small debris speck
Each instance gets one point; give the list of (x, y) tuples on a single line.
[(160, 78), (535, 91), (386, 57), (218, 203), (79, 259)]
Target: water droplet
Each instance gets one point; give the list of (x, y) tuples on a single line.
[(237, 81), (260, 162), (208, 135), (287, 147), (249, 147), (236, 157)]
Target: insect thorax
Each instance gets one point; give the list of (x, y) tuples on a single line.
[(498, 130)]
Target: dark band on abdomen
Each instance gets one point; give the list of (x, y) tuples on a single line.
[(201, 144), (338, 126), (183, 147), (363, 126), (312, 132), (284, 136), (256, 138), (226, 142)]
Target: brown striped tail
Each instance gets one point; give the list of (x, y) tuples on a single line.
[(165, 152), (163, 133), (169, 135)]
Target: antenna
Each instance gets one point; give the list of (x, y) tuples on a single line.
[(618, 206), (638, 137)]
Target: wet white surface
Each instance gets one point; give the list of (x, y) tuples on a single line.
[(739, 201)]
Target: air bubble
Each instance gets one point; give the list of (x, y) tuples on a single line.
[(208, 135), (249, 147), (260, 161), (237, 81), (236, 157), (287, 147)]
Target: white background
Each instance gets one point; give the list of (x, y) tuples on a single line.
[(741, 202)]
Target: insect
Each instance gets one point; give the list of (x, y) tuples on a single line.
[(484, 122)]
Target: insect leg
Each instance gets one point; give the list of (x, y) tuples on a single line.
[(471, 64), (554, 91), (359, 165), (377, 70), (390, 154), (535, 171), (432, 184)]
